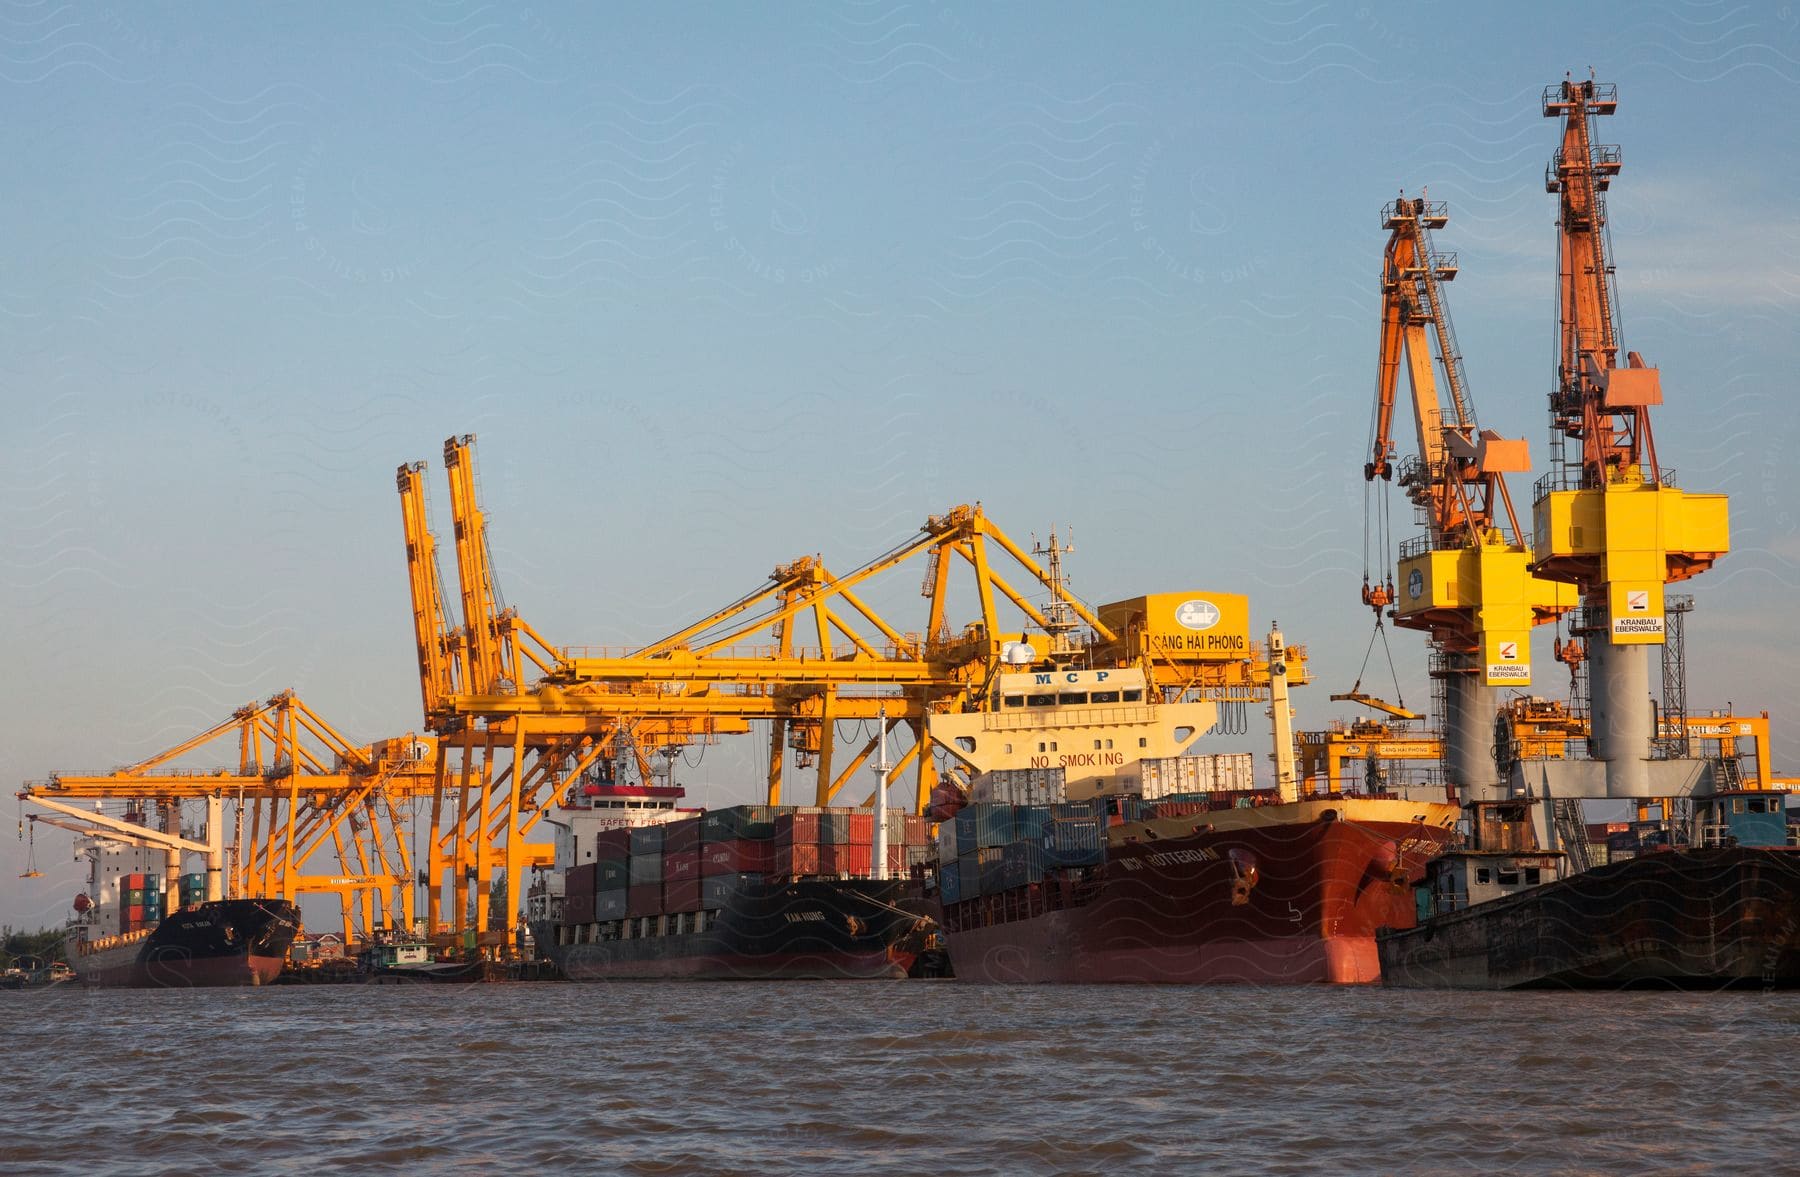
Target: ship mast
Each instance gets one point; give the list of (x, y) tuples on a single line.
[(1059, 617)]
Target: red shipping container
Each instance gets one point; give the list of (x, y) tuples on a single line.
[(797, 861), (799, 828), (847, 859), (681, 835), (578, 907), (134, 882), (681, 867), (739, 856), (612, 843), (679, 897), (918, 830), (862, 828), (643, 901), (582, 880), (135, 913)]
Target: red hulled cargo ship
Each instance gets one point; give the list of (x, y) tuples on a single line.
[(1269, 894), (1095, 852)]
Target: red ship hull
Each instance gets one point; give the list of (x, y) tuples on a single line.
[(1285, 895)]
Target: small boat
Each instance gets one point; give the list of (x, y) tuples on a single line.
[(409, 962)]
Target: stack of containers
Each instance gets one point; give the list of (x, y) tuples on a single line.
[(681, 866), (737, 849), (578, 893), (797, 837), (847, 843), (909, 842), (1020, 786), (154, 886), (645, 872), (1075, 835), (612, 867), (193, 890), (131, 902), (1189, 777)]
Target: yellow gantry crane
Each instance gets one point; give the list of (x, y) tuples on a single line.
[(1465, 581), (804, 652), (1609, 519), (323, 815)]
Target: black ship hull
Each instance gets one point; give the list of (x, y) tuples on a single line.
[(225, 942), (1694, 919), (804, 930)]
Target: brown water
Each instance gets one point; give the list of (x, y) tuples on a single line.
[(920, 1077)]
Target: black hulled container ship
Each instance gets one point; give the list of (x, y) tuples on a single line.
[(643, 890)]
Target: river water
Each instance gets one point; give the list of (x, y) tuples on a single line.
[(903, 1077)]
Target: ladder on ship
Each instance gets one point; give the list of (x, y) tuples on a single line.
[(1571, 832)]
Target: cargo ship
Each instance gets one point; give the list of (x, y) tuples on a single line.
[(643, 890), (1716, 906), (1128, 862), (130, 932)]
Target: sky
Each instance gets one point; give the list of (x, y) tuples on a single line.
[(717, 286)]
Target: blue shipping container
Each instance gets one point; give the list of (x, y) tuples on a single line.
[(991, 865), (1029, 822), (1077, 842), (950, 882), (965, 831), (1024, 864), (993, 826)]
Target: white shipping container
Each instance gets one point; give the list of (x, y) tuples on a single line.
[(1220, 772), (1020, 786)]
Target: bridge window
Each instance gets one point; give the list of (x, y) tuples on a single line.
[(1015, 700), (1104, 697), (1484, 876), (1069, 697), (1040, 700), (1134, 696)]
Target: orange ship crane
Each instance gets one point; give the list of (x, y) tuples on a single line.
[(1608, 518), (1465, 581)]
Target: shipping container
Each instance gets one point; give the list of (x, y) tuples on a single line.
[(134, 881), (135, 896), (613, 874), (716, 890), (1165, 776), (646, 841), (737, 856), (993, 827), (581, 880), (991, 866), (834, 828), (578, 908), (862, 828), (611, 905), (1030, 822), (1023, 863), (682, 896), (797, 861), (966, 840), (798, 827), (950, 882), (681, 836), (1075, 841), (645, 900), (1019, 786), (946, 841), (739, 822), (680, 866), (969, 871), (857, 861), (612, 844), (646, 870)]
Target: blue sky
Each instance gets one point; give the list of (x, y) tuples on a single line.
[(718, 287)]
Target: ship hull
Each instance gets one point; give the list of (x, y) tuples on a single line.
[(858, 929), (1725, 918), (1284, 895), (224, 943)]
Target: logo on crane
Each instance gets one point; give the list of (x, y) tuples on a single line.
[(1197, 614), (1509, 651), (1638, 602), (1415, 584)]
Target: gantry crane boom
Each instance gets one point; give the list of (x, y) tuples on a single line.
[(438, 652), (1465, 581), (1608, 519)]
